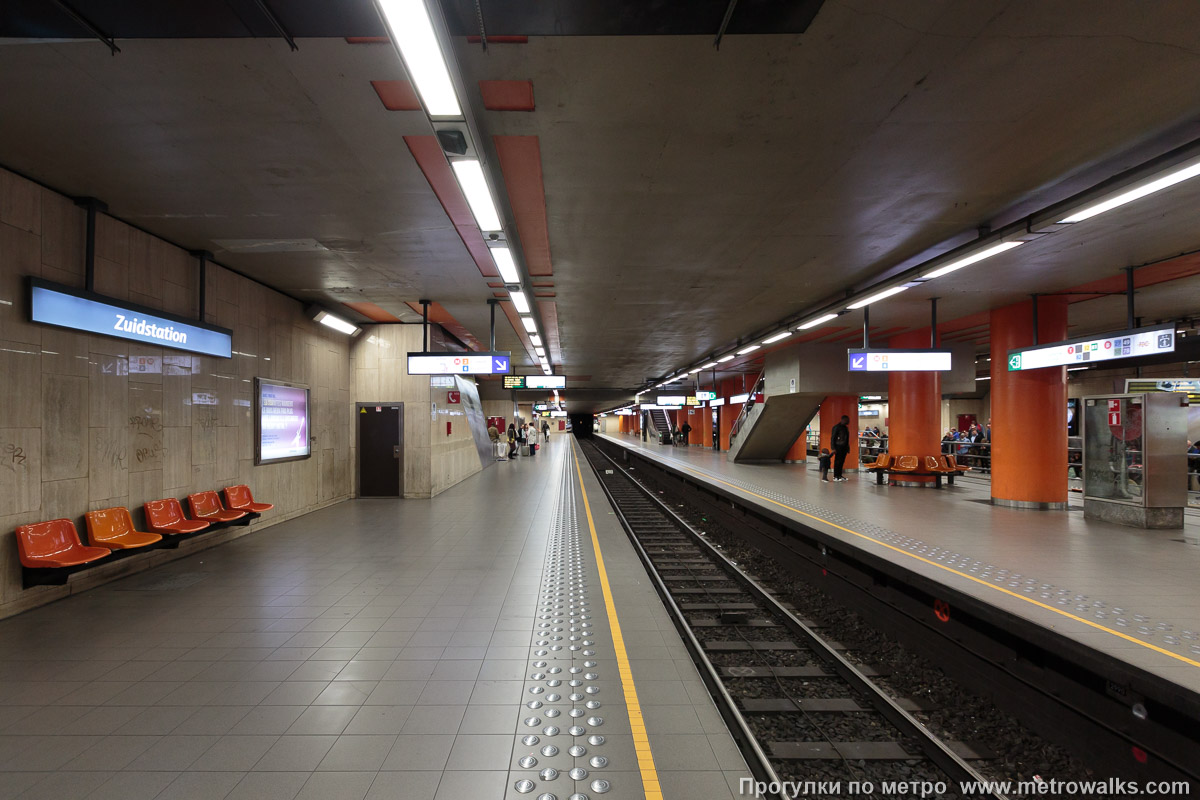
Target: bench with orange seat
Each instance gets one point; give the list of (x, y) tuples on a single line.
[(923, 466), (113, 528), (166, 516), (207, 506), (239, 498), (50, 551)]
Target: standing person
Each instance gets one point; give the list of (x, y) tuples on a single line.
[(839, 440), (686, 431), (545, 431), (823, 463), (512, 441)]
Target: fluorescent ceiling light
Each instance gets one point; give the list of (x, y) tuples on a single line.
[(337, 323), (541, 351), (479, 196), (694, 371), (520, 301), (985, 378), (1075, 369), (709, 365), (537, 340), (505, 264), (1166, 181), (875, 298), (530, 325), (726, 358), (749, 349), (821, 320), (974, 258), (777, 337), (411, 30), (546, 369)]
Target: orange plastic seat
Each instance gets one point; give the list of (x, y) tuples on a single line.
[(882, 461), (937, 465), (905, 464), (166, 516), (207, 505), (239, 497), (113, 528), (954, 465), (54, 544)]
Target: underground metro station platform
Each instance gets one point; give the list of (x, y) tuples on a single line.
[(439, 399)]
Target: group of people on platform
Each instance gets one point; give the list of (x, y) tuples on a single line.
[(518, 437), (972, 447)]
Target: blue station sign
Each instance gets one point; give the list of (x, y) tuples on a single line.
[(64, 307)]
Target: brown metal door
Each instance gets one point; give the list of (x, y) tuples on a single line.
[(380, 449)]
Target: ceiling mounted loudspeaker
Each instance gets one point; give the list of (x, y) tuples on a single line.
[(453, 141)]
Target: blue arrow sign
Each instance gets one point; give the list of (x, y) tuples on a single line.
[(499, 365), (858, 363)]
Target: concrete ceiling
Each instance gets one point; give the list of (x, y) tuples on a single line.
[(693, 195)]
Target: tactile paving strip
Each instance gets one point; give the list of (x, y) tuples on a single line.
[(560, 748), (1162, 634)]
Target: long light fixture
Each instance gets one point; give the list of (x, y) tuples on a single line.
[(530, 325), (777, 337), (479, 197), (541, 352), (1178, 175), (503, 259), (726, 358), (709, 365), (411, 29), (337, 323), (520, 301), (821, 320), (749, 349), (974, 258), (694, 371), (875, 298), (536, 340)]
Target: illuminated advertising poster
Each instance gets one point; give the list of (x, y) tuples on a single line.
[(282, 422)]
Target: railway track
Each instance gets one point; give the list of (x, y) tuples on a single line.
[(803, 715)]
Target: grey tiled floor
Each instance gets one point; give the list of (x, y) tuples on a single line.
[(1142, 584), (376, 649)]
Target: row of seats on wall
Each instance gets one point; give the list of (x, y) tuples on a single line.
[(52, 551)]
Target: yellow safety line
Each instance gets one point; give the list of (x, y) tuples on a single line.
[(951, 570), (641, 742)]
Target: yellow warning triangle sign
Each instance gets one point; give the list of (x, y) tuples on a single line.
[(362, 411)]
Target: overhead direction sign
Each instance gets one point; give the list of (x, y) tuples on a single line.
[(545, 382), (898, 360), (1079, 352), (64, 307), (514, 381), (706, 396), (672, 399), (473, 363)]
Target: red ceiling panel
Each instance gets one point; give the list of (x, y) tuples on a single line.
[(397, 95), (428, 153), (521, 163), (438, 314), (507, 95), (372, 312)]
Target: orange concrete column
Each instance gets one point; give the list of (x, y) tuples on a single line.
[(798, 453), (728, 413), (1029, 410), (914, 408), (832, 409)]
